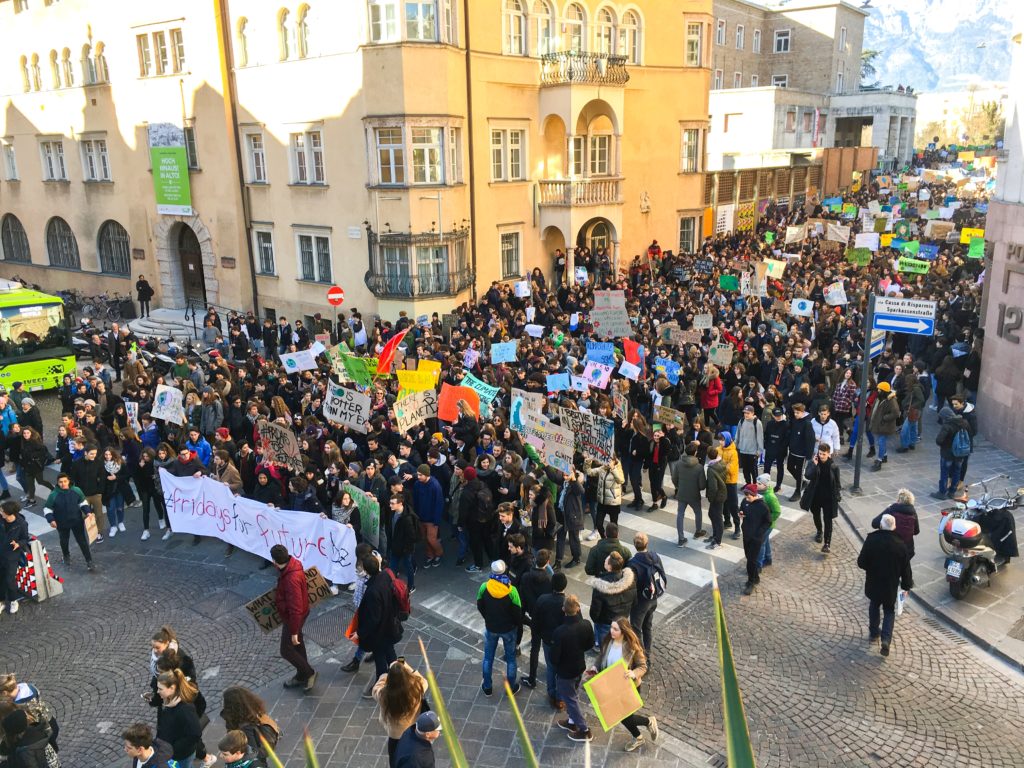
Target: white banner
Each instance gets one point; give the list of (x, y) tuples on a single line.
[(838, 233), (167, 405), (702, 322), (347, 407), (415, 409), (294, 362), (795, 234), (869, 240), (206, 507)]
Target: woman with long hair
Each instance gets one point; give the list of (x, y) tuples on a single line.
[(399, 692), (177, 722), (115, 485), (623, 643), (34, 457), (245, 711)]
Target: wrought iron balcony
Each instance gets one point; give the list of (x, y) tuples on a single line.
[(583, 68), (603, 190), (416, 266)]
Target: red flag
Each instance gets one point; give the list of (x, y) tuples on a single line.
[(448, 402), (387, 355)]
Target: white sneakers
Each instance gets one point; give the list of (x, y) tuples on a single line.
[(145, 535), (161, 523), (113, 531), (593, 536), (167, 534), (120, 527), (334, 589), (14, 607)]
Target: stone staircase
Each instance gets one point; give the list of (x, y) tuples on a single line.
[(163, 323)]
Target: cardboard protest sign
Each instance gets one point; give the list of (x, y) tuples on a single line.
[(557, 442), (593, 435), (776, 268), (416, 381), (522, 402), (279, 444), (977, 248), (613, 695), (687, 337), (504, 352), (167, 405), (347, 407), (609, 316), (915, 266), (450, 397), (264, 609), (968, 232), (721, 354), (415, 409), (794, 234), (295, 362), (620, 406), (702, 322), (837, 233), (670, 416), (597, 374), (835, 294)]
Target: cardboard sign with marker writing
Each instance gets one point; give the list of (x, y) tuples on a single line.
[(264, 611)]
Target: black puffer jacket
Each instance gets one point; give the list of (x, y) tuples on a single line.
[(613, 597), (29, 751)]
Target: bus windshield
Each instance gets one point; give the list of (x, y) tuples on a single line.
[(32, 332)]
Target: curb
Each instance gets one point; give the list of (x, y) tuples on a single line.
[(946, 620)]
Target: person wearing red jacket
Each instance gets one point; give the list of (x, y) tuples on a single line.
[(292, 602)]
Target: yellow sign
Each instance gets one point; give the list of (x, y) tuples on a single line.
[(432, 366), (968, 232), (966, 156), (886, 239), (416, 381)]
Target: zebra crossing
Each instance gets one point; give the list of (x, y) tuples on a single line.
[(688, 568)]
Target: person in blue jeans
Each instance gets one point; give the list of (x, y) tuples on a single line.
[(498, 602)]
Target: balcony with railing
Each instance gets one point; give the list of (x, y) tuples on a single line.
[(581, 68), (418, 266), (603, 190)]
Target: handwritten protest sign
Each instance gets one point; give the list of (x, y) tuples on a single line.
[(131, 409), (558, 382), (915, 266), (702, 322), (167, 405), (429, 366), (835, 294), (620, 406), (295, 362), (415, 409), (264, 608), (416, 381), (968, 232), (206, 507), (486, 392), (449, 398), (629, 370), (720, 354), (347, 407), (522, 289), (369, 512), (557, 441), (504, 352), (360, 369), (869, 240), (667, 368), (670, 416), (593, 435), (776, 268), (279, 444), (837, 233), (977, 248), (523, 401), (613, 695), (609, 316), (601, 352), (794, 234)]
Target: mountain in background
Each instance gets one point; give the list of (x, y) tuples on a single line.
[(933, 45)]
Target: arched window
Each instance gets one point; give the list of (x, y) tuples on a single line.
[(13, 240), (61, 246), (37, 75), (302, 31), (242, 53), (515, 28), (629, 37), (604, 32), (100, 63), (544, 27), (575, 27), (114, 248), (26, 84), (55, 69), (283, 36), (88, 66), (67, 68)]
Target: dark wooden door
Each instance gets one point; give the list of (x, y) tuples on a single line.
[(192, 265)]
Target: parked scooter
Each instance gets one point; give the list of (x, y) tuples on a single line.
[(979, 538)]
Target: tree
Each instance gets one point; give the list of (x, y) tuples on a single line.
[(868, 71)]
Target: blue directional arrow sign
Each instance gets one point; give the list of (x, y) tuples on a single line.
[(901, 324)]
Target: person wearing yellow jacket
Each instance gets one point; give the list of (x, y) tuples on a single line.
[(731, 459)]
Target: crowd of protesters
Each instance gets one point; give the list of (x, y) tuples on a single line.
[(475, 493)]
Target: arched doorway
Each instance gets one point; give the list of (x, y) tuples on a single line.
[(596, 234), (191, 258)]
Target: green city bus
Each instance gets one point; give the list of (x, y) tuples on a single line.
[(35, 341)]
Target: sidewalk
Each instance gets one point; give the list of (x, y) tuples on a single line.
[(992, 616)]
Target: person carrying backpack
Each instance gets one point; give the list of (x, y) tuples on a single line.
[(955, 444), (907, 523), (650, 585)]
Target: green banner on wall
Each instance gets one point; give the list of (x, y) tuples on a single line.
[(170, 180)]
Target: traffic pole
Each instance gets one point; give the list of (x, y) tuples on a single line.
[(862, 429)]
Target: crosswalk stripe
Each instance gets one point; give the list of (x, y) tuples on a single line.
[(668, 534)]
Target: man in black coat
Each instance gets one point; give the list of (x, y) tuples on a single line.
[(886, 563), (757, 524), (416, 747), (14, 545), (570, 644), (534, 584), (87, 474), (378, 625), (800, 446), (547, 616)]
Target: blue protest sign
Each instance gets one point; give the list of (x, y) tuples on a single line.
[(558, 382), (504, 352), (601, 352)]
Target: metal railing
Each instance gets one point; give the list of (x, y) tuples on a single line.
[(398, 286), (583, 68), (194, 306), (580, 192)]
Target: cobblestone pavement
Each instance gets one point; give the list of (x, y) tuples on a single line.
[(817, 693)]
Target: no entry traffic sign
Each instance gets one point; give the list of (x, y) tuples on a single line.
[(335, 295)]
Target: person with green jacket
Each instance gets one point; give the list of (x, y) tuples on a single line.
[(610, 543), (717, 492), (764, 487)]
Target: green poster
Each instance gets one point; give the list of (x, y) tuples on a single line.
[(901, 229), (901, 187), (359, 369), (977, 248), (850, 209), (170, 180), (836, 207), (880, 224), (931, 213), (369, 512), (729, 283), (859, 256), (769, 237), (913, 247), (917, 266)]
